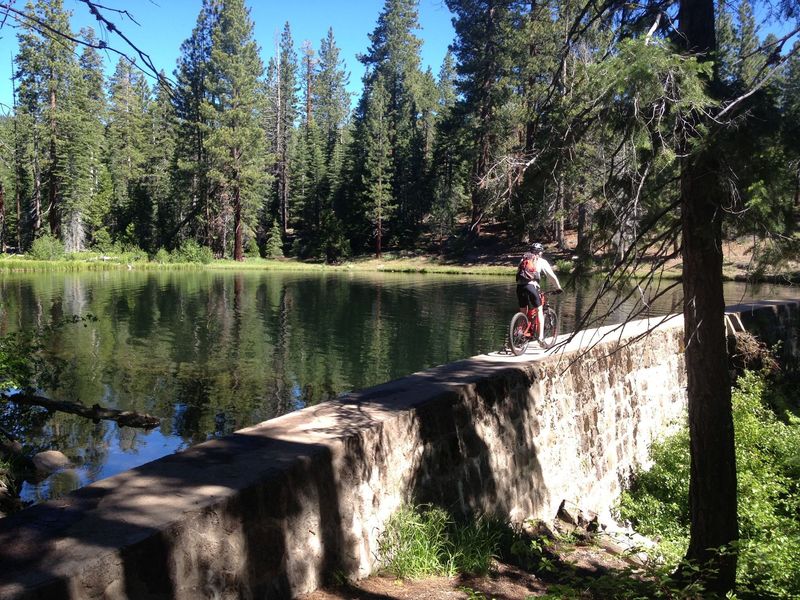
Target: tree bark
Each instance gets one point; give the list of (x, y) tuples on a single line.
[(54, 218), (2, 218), (583, 249), (238, 250), (712, 484)]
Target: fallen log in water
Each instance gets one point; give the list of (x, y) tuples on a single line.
[(96, 412)]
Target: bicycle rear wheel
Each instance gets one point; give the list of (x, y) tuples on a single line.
[(517, 339), (550, 328)]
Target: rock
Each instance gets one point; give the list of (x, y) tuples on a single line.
[(49, 461), (569, 514)]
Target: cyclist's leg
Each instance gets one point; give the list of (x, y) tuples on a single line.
[(536, 301), (522, 299)]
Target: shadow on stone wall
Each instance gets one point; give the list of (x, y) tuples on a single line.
[(171, 542)]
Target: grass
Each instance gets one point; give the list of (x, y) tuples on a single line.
[(426, 541), (390, 263)]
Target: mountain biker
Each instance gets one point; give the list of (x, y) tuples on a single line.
[(529, 274)]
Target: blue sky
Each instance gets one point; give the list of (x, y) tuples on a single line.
[(165, 24)]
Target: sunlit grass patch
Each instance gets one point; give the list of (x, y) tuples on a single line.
[(425, 541)]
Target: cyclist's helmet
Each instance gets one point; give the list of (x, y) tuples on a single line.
[(537, 248)]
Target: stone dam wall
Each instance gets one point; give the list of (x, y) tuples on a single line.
[(274, 509)]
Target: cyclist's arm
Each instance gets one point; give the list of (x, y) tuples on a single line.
[(548, 270)]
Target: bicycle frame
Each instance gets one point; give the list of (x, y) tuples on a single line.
[(533, 317)]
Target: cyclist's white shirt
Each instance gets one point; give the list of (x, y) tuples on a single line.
[(544, 267)]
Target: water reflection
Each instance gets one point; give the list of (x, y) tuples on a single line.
[(210, 352)]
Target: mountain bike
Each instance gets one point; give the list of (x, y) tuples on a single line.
[(524, 327)]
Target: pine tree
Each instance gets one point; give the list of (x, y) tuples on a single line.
[(274, 244), (749, 61), (86, 106), (378, 201), (306, 157), (449, 176), (45, 69), (192, 210), (331, 111), (393, 56), (331, 100), (160, 160), (482, 53), (726, 44), (8, 217), (129, 97), (285, 117), (235, 140), (791, 123)]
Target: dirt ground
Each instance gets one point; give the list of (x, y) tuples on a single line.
[(582, 560)]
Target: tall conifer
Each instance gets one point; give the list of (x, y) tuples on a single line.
[(235, 140), (129, 97), (193, 211), (45, 70), (379, 204), (285, 116)]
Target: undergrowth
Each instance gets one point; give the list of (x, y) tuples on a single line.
[(426, 541), (768, 470)]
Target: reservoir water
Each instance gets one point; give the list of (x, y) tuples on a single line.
[(209, 352)]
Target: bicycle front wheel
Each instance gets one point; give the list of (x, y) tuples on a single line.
[(550, 328), (517, 338)]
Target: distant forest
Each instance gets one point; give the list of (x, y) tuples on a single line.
[(546, 115)]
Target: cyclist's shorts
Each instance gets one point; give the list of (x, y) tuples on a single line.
[(528, 295)]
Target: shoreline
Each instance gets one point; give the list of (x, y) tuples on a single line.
[(492, 265)]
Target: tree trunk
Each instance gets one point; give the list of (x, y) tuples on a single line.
[(712, 484), (559, 216), (18, 198), (582, 247), (238, 251), (2, 218), (53, 192), (378, 239), (36, 208)]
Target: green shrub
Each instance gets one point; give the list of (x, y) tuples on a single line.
[(564, 266), (192, 252), (274, 246), (251, 248), (161, 257), (476, 544), (47, 247), (101, 240), (768, 471), (130, 253)]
